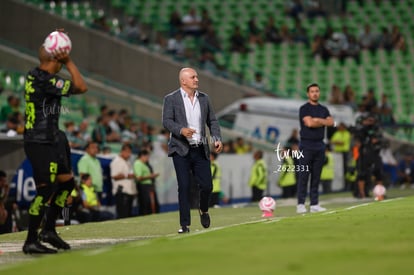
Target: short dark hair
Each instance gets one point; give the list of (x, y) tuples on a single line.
[(84, 177), (259, 154), (90, 143), (143, 152), (2, 174), (312, 85), (126, 146)]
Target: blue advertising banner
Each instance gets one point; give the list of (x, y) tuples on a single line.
[(23, 186)]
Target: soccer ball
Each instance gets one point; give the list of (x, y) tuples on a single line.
[(379, 192), (57, 41), (267, 205)]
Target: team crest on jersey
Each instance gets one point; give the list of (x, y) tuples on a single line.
[(59, 84)]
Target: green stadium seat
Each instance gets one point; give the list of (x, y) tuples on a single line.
[(276, 60)]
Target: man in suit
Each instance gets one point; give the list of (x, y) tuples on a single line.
[(186, 112)]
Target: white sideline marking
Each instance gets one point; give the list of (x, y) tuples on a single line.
[(330, 212), (359, 205), (98, 251), (179, 236), (385, 201)]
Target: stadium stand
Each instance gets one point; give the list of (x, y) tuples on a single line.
[(286, 67)]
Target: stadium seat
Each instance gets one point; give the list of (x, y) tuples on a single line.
[(277, 61)]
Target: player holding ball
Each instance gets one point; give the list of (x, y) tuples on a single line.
[(46, 146)]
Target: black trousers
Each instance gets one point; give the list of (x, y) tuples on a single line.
[(257, 194), (289, 191), (147, 199), (312, 163), (214, 199), (197, 163), (123, 205)]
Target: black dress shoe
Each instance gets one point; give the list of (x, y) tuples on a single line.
[(53, 238), (183, 229), (205, 219), (37, 248)]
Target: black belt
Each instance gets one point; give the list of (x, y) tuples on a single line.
[(195, 145)]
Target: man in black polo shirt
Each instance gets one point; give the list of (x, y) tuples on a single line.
[(46, 146), (313, 118)]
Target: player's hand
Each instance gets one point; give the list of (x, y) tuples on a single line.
[(61, 56), (61, 30)]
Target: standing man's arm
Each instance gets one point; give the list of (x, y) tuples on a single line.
[(316, 122), (168, 118), (214, 127)]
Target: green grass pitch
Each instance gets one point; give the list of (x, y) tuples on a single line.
[(352, 237)]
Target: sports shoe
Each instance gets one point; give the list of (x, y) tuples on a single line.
[(205, 219), (37, 248), (183, 229), (301, 209), (53, 238), (317, 208)]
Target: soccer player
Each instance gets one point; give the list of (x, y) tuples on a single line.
[(47, 148)]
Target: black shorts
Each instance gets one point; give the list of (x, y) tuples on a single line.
[(49, 159)]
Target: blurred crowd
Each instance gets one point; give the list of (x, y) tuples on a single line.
[(367, 103), (192, 36)]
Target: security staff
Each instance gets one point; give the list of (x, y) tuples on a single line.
[(287, 178), (328, 172), (216, 177), (258, 176), (341, 141)]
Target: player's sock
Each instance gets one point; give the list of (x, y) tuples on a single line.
[(66, 214), (36, 212), (51, 215), (33, 226), (57, 203)]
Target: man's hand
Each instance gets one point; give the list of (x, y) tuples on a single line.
[(187, 132), (218, 146), (329, 121)]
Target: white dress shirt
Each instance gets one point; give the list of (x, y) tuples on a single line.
[(193, 115)]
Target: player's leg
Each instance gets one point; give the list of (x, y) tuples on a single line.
[(61, 172), (56, 204), (38, 156)]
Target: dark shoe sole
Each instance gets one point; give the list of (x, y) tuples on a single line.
[(37, 248), (53, 239)]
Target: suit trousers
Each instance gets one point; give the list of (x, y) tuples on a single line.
[(195, 162), (312, 163)]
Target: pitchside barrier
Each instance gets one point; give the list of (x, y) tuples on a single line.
[(235, 176)]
